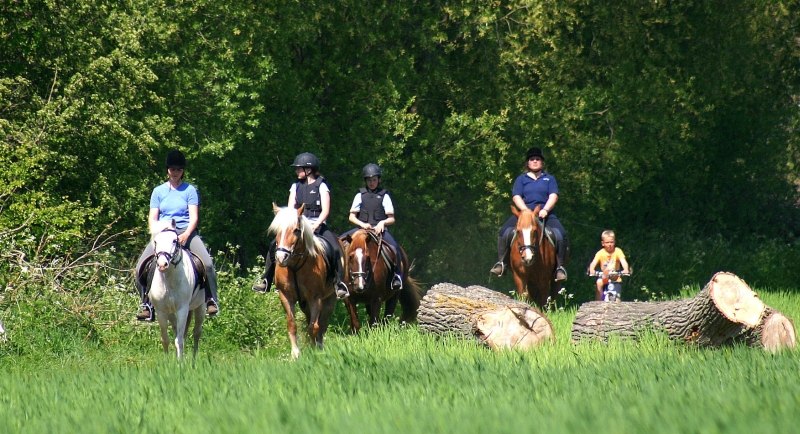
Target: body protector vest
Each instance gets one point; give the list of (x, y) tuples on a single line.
[(372, 206), (308, 194)]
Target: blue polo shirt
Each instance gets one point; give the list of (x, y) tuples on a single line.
[(173, 203), (534, 191)]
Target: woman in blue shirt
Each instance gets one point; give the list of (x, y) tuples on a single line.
[(533, 188), (179, 201)]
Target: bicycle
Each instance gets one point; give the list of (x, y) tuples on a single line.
[(612, 291)]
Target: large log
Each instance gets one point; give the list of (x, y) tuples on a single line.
[(725, 312), (494, 319)]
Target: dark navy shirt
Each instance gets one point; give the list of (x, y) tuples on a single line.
[(534, 192)]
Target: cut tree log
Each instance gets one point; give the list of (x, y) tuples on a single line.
[(724, 312), (494, 319)]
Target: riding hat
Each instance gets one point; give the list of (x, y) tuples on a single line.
[(306, 159), (371, 170), (175, 158), (534, 152)]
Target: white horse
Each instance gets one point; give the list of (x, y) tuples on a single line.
[(175, 292)]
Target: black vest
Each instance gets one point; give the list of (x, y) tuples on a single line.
[(308, 194), (372, 206)]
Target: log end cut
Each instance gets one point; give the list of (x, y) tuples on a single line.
[(778, 333), (734, 299), (514, 327)]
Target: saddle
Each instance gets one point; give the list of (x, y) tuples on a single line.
[(145, 273), (330, 257)]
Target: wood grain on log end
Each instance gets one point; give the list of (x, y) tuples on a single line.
[(735, 300), (778, 333), (513, 327)]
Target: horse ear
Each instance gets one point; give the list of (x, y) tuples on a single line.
[(300, 210), (515, 210), (275, 208), (172, 224)]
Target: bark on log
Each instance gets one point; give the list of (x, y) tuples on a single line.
[(726, 311), (494, 319)]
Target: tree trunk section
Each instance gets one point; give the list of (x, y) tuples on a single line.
[(726, 311), (494, 319)]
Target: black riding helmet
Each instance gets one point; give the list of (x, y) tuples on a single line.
[(534, 152), (371, 170), (175, 158), (306, 159)]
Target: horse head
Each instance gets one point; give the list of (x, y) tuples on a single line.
[(528, 235), (166, 247), (359, 261), (294, 235)]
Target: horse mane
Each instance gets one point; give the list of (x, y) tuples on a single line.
[(159, 226), (286, 218)]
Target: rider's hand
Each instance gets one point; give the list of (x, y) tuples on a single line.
[(366, 226), (379, 227), (182, 238), (543, 213)]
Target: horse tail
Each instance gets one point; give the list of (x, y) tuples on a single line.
[(410, 298)]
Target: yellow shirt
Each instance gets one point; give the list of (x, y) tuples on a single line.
[(609, 261)]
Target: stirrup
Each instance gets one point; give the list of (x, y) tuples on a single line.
[(341, 291), (262, 286), (561, 274), (212, 308), (149, 315), (498, 269), (397, 282)]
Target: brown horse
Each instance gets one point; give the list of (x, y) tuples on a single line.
[(301, 274), (533, 258), (369, 276)]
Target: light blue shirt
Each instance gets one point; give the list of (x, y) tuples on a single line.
[(173, 203)]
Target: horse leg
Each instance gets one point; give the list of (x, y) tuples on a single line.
[(389, 307), (326, 310), (291, 325), (313, 322), (199, 317), (163, 324), (180, 329), (352, 310), (522, 287), (373, 311)]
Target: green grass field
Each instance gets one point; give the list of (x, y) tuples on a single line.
[(396, 379)]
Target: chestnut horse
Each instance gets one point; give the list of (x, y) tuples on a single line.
[(533, 258), (301, 274), (369, 277)]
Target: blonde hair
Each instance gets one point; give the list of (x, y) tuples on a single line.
[(608, 233)]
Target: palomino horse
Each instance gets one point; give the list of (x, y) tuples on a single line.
[(301, 274), (369, 278), (533, 258), (175, 292)]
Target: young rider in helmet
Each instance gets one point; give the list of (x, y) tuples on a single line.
[(372, 208), (534, 188), (177, 200), (310, 190)]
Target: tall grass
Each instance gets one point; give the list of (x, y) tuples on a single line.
[(396, 379)]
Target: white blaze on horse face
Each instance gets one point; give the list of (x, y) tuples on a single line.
[(527, 254), (283, 250), (165, 247), (361, 281)]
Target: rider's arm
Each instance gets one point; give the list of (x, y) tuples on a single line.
[(354, 220), (548, 206), (519, 202), (194, 217), (625, 268), (152, 217), (325, 201)]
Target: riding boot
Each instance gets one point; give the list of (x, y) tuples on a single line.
[(561, 253), (269, 271), (146, 311), (503, 246), (212, 306), (341, 289), (397, 278)]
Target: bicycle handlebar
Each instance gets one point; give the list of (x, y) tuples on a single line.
[(610, 274)]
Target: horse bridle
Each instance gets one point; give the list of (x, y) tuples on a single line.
[(298, 237), (176, 254), (535, 246), (370, 266)]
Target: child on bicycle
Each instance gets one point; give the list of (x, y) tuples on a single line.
[(610, 259)]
